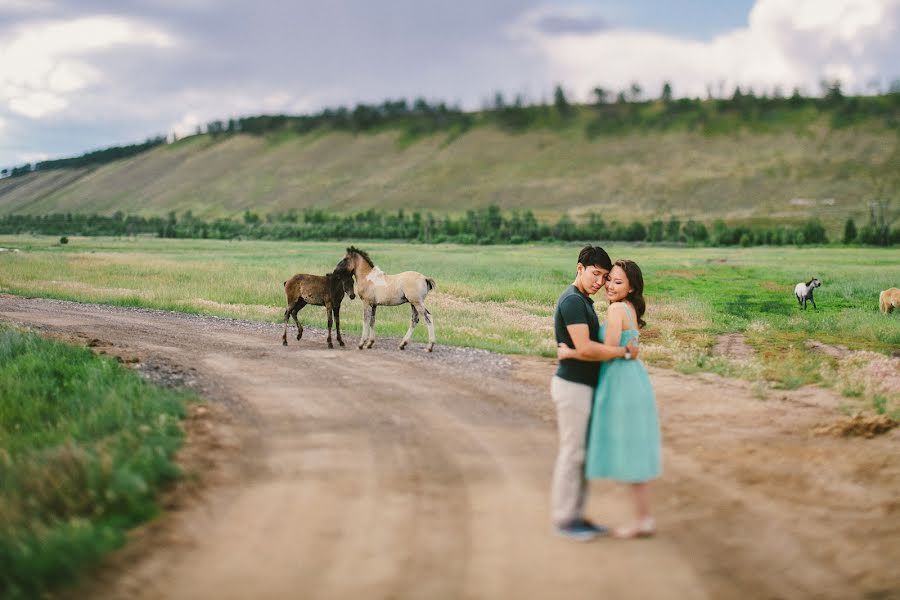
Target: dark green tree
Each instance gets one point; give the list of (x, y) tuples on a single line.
[(636, 232), (635, 91), (601, 95), (673, 229), (565, 228), (695, 232), (561, 103), (666, 95), (849, 232), (831, 91)]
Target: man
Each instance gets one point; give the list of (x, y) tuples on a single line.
[(572, 390)]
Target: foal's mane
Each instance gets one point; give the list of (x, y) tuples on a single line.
[(364, 255), (339, 274)]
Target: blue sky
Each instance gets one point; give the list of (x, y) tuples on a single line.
[(699, 19), (81, 75)]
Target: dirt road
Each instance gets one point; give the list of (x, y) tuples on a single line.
[(322, 473)]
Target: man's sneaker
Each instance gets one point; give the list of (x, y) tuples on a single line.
[(581, 530), (600, 529)]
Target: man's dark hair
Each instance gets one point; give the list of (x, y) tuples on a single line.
[(594, 256)]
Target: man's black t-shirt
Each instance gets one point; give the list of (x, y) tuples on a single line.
[(574, 308)]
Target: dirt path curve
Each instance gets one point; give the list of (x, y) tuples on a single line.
[(388, 474)]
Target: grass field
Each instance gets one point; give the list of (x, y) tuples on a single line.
[(782, 175), (84, 447), (502, 297)]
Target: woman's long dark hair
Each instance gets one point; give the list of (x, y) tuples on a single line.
[(636, 279)]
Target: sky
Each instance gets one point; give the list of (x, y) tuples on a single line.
[(77, 76)]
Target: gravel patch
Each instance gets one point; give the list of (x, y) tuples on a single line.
[(471, 360), (164, 374)]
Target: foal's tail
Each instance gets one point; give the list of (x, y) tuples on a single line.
[(430, 283)]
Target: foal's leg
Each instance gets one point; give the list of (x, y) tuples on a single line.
[(300, 304), (813, 300), (287, 317), (429, 322), (367, 309), (337, 323), (328, 312), (372, 327), (413, 321)]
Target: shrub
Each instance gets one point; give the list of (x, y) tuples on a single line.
[(849, 232)]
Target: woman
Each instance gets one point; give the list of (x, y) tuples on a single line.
[(623, 440)]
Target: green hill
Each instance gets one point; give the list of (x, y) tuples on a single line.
[(782, 174)]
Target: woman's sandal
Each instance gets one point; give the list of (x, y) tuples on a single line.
[(641, 529)]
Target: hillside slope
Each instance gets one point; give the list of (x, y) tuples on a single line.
[(791, 175)]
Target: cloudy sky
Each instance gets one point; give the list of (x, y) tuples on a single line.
[(78, 75)]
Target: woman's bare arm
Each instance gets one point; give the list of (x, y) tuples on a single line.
[(588, 350), (615, 315)]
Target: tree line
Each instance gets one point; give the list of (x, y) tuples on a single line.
[(96, 157), (608, 113), (482, 226)]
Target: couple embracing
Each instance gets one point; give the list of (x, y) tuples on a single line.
[(605, 406)]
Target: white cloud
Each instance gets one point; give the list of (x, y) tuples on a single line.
[(73, 79), (854, 40), (186, 125), (785, 44), (31, 157), (46, 63), (206, 105), (36, 104), (26, 6)]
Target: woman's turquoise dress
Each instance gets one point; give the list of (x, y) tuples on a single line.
[(623, 439)]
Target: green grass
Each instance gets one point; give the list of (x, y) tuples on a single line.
[(84, 447), (742, 176), (502, 297)]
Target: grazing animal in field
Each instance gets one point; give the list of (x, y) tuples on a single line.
[(888, 300), (327, 291), (375, 288), (804, 292)]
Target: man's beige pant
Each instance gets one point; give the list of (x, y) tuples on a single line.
[(573, 413)]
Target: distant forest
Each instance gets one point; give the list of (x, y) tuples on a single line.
[(96, 157), (484, 226), (610, 114)]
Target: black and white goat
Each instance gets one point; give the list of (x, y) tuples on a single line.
[(804, 292)]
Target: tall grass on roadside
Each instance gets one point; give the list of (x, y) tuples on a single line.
[(84, 447)]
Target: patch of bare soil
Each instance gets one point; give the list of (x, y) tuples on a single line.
[(734, 346), (858, 425), (320, 473), (834, 351)]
